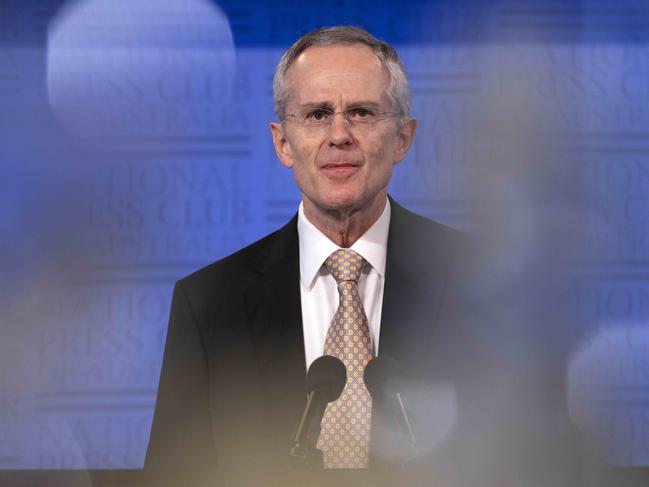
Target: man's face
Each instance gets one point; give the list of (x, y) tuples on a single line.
[(340, 168)]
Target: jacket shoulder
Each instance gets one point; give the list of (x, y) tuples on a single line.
[(425, 231), (230, 272)]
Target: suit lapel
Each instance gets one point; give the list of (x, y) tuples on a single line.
[(411, 296), (274, 312)]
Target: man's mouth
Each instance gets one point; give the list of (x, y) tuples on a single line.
[(340, 169), (336, 163), (339, 164)]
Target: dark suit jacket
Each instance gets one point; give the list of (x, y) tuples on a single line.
[(233, 378)]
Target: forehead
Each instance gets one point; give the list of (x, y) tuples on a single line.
[(337, 74)]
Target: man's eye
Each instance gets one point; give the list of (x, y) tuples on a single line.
[(361, 112), (317, 115)]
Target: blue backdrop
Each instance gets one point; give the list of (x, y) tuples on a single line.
[(135, 149)]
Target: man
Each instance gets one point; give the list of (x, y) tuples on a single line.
[(244, 330)]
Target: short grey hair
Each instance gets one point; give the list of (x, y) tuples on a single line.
[(398, 91)]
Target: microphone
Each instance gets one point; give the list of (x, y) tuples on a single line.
[(384, 379), (325, 380)]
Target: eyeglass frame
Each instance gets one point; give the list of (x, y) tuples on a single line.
[(350, 124)]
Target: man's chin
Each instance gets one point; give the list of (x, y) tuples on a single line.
[(342, 203), (341, 200), (345, 204)]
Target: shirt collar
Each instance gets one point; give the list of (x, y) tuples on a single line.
[(315, 247)]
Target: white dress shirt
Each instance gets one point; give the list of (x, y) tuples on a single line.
[(318, 288)]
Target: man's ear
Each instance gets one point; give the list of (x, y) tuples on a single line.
[(405, 134), (282, 145)]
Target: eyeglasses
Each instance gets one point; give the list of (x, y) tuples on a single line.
[(319, 120)]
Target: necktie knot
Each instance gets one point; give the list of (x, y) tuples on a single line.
[(345, 265)]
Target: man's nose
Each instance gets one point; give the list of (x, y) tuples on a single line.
[(339, 132)]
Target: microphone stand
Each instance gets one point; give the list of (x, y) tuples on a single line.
[(304, 453), (406, 420)]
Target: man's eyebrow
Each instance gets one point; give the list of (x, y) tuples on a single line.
[(311, 106), (329, 106), (368, 104)]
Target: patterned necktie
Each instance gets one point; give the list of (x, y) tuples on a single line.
[(345, 435)]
